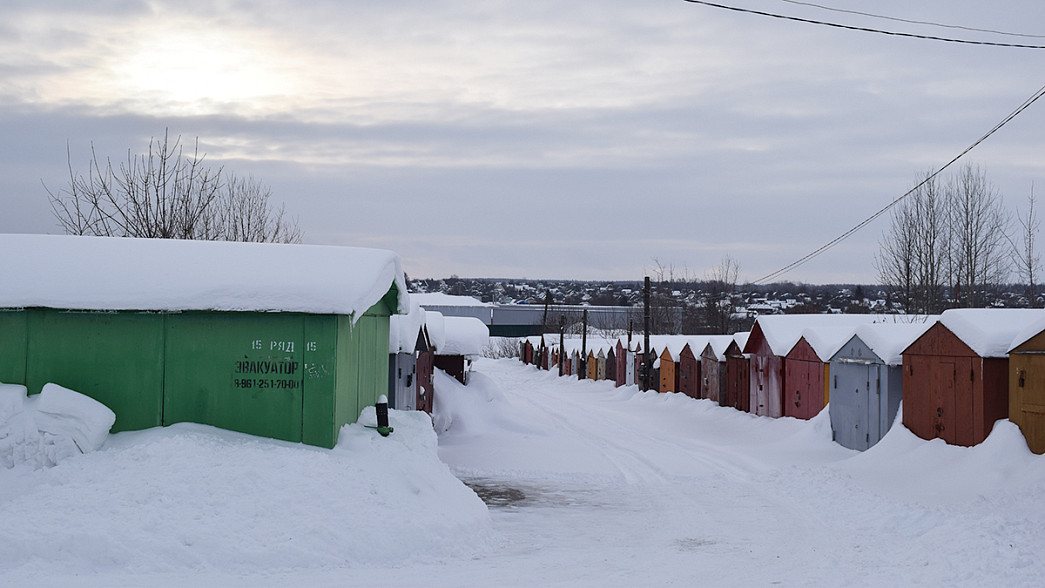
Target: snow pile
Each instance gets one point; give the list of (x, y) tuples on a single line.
[(191, 499), (476, 409), (906, 466), (12, 400), (46, 429)]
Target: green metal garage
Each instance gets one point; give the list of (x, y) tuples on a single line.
[(283, 341)]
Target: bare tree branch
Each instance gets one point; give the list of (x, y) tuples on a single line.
[(166, 193)]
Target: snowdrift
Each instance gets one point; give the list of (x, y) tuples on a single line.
[(45, 429), (190, 499)]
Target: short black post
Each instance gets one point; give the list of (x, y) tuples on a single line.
[(382, 416)]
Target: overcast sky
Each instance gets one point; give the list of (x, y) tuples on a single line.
[(537, 139)]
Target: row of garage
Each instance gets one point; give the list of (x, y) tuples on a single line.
[(956, 374)]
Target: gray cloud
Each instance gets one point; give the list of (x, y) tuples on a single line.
[(558, 142)]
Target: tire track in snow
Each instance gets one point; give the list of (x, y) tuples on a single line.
[(594, 421)]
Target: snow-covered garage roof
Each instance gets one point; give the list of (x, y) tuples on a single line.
[(109, 273), (782, 331), (464, 335), (989, 332), (888, 340)]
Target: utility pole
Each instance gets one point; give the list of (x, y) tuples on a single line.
[(562, 341), (547, 303), (583, 372), (646, 361)]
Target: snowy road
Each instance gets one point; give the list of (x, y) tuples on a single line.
[(625, 488), (598, 486)]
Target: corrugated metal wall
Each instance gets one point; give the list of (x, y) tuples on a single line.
[(13, 333), (115, 358), (289, 376)]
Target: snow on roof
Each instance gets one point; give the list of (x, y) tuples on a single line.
[(403, 329), (826, 341), (696, 343), (673, 343), (434, 323), (741, 338), (888, 340), (1026, 333), (465, 335), (109, 273), (718, 344), (440, 299), (782, 331), (634, 345), (594, 344), (551, 340), (989, 331)]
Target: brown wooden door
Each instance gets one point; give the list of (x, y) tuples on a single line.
[(425, 390), (942, 399), (964, 432), (804, 389)]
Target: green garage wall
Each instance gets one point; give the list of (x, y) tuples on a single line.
[(365, 346), (291, 376), (13, 333), (115, 358), (238, 371)]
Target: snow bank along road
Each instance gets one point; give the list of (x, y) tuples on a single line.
[(621, 487)]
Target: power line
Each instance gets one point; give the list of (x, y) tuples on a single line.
[(1026, 104), (917, 22), (864, 29)]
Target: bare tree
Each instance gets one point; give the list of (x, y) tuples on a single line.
[(979, 226), (1024, 255), (897, 260), (666, 312), (242, 212), (952, 238), (931, 240), (168, 193), (720, 287)]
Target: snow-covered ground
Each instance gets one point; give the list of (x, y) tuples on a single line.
[(597, 486)]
